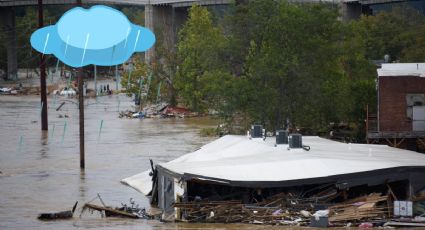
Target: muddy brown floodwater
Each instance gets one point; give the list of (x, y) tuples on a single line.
[(40, 170)]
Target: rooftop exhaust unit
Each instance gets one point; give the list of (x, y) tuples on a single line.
[(257, 131), (281, 137), (295, 141)]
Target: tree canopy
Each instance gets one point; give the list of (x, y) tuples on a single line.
[(279, 63), (271, 62)]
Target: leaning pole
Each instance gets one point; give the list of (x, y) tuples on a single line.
[(81, 109), (44, 125)]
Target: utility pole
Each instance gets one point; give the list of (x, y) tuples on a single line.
[(44, 125), (81, 108)]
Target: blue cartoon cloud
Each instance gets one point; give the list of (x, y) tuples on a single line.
[(100, 35)]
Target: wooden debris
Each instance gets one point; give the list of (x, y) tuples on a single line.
[(288, 209), (276, 209), (415, 199), (58, 215), (55, 215), (109, 212), (404, 224), (357, 209), (60, 106), (126, 211)]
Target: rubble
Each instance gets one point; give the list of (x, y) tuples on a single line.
[(292, 209), (159, 110), (132, 210), (278, 209), (373, 206), (126, 114), (58, 215), (111, 212), (180, 112), (8, 91)]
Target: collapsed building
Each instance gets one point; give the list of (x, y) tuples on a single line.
[(250, 169)]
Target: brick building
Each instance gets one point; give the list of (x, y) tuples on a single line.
[(400, 118)]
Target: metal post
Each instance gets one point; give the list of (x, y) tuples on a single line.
[(367, 123), (140, 94), (117, 80), (95, 80), (81, 108), (44, 125)]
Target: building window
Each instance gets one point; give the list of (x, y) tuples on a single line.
[(413, 100)]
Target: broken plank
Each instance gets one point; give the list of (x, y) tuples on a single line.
[(110, 211)]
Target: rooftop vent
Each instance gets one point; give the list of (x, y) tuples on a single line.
[(295, 141), (256, 131), (281, 137)]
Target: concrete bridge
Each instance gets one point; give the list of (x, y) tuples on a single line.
[(179, 3), (167, 15)]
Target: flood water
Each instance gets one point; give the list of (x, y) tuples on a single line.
[(40, 170)]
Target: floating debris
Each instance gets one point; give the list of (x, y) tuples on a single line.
[(126, 114), (58, 215), (110, 212), (60, 106), (125, 211)]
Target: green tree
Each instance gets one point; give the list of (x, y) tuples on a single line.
[(164, 67), (199, 51), (135, 71), (392, 32), (26, 19), (293, 65)]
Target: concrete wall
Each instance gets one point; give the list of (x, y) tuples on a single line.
[(392, 101)]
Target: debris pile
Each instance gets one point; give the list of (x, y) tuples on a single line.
[(180, 112), (113, 212), (126, 114), (289, 209), (58, 215), (371, 207), (132, 210), (8, 91), (159, 110), (278, 209)]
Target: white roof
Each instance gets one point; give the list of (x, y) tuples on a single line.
[(238, 158), (402, 69)]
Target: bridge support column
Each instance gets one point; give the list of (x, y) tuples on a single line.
[(165, 21), (351, 11), (7, 15), (149, 23)]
